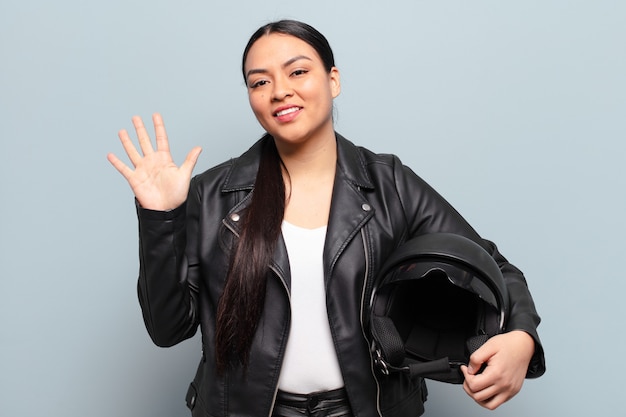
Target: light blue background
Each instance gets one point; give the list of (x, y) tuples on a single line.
[(514, 110)]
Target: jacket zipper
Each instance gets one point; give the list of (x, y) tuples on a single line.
[(363, 306), (282, 280)]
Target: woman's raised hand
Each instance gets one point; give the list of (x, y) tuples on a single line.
[(157, 182)]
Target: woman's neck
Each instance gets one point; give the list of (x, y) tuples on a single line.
[(312, 158), (309, 178)]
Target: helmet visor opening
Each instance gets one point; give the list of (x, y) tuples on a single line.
[(435, 317)]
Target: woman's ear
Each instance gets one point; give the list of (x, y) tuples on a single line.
[(335, 82)]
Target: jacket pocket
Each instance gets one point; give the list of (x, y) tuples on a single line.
[(192, 396), (403, 396)]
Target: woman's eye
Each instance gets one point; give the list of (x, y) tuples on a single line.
[(259, 83), (299, 72)]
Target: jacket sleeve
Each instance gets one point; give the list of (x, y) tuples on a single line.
[(168, 285), (428, 212)]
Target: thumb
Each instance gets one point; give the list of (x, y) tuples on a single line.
[(191, 159), (478, 358)]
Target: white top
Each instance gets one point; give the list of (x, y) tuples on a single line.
[(310, 363)]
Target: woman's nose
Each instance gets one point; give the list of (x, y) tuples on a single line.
[(282, 90)]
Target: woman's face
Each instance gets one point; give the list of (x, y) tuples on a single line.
[(290, 91)]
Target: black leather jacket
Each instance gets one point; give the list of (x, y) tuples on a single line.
[(377, 204)]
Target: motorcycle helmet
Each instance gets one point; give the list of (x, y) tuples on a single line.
[(437, 299)]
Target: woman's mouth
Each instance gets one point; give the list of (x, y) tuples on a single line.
[(287, 114)]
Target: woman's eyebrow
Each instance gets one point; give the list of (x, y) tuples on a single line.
[(286, 64), (294, 59)]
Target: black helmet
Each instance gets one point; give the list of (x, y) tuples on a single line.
[(437, 299)]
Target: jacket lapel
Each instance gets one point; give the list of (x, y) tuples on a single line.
[(349, 209), (241, 179)]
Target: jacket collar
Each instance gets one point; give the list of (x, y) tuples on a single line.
[(244, 169), (349, 211)]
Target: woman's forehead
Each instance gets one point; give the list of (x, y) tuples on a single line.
[(277, 49)]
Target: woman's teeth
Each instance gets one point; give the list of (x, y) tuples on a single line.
[(287, 111)]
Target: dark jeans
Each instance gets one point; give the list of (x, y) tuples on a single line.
[(332, 403)]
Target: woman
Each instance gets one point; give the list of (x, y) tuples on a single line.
[(273, 254)]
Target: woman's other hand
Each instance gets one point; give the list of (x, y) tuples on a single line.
[(157, 182), (507, 357)]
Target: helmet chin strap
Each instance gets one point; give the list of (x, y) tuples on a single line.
[(389, 345), (423, 369)]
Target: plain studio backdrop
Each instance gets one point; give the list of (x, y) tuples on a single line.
[(514, 110)]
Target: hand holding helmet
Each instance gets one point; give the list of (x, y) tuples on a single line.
[(438, 298), (507, 356)]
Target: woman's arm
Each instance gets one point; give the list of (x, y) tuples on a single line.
[(166, 291), (511, 356)]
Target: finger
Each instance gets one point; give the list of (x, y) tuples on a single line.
[(488, 397), (160, 133), (474, 365), (190, 161), (495, 401), (121, 167), (479, 357), (129, 147), (477, 383), (143, 136), (484, 395)]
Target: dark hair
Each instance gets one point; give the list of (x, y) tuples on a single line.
[(241, 304), (302, 31)]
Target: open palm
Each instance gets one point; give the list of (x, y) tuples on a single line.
[(157, 182)]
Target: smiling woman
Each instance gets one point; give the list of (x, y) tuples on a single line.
[(291, 91), (280, 248)]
